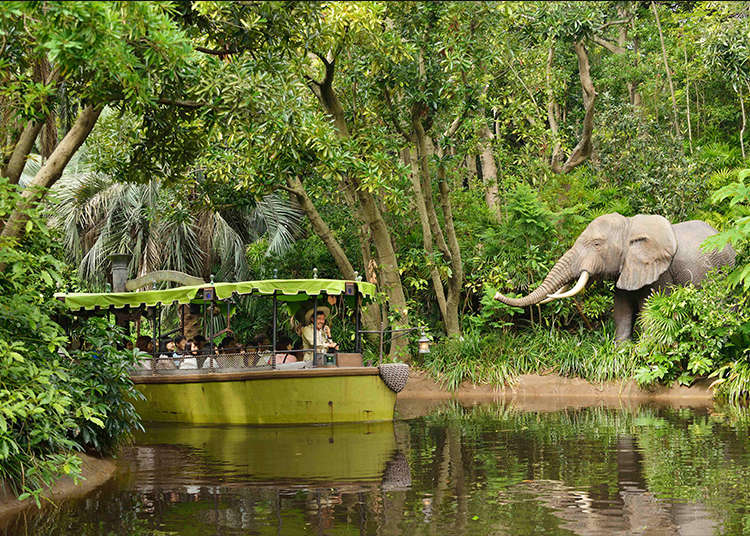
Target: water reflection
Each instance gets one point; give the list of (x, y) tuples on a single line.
[(486, 469)]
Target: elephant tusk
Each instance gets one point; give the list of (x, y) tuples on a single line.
[(575, 290), (551, 297)]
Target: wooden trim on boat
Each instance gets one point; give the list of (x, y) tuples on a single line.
[(256, 375)]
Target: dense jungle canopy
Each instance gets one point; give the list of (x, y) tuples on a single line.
[(442, 150)]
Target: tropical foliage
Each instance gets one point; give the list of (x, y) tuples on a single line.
[(443, 150), (54, 400)]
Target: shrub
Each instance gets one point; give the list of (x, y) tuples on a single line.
[(100, 380), (691, 332), (51, 403)]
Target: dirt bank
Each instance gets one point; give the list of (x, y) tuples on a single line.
[(552, 392), (95, 472)]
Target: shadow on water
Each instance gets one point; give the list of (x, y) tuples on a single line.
[(454, 470)]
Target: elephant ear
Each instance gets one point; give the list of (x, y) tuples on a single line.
[(651, 244)]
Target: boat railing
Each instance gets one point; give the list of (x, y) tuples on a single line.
[(220, 362)]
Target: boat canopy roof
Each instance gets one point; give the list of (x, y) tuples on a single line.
[(290, 290)]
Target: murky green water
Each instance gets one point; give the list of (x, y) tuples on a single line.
[(485, 469)]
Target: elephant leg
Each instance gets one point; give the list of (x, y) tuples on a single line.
[(624, 311)]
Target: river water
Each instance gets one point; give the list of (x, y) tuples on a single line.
[(484, 469)]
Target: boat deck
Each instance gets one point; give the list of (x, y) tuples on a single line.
[(228, 375)]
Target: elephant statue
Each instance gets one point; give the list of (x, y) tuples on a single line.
[(642, 253)]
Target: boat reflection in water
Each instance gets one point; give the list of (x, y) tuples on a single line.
[(222, 477)]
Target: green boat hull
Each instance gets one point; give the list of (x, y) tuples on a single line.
[(267, 397)]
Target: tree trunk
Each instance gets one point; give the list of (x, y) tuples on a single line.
[(17, 160), (191, 323), (369, 213), (371, 316), (553, 113), (448, 299), (390, 276), (666, 69), (456, 280), (419, 198), (687, 97), (42, 74), (50, 172), (583, 150), (321, 228), (489, 170)]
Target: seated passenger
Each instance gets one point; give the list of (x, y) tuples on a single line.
[(323, 337), (181, 355), (225, 357), (145, 345), (284, 345), (180, 346), (198, 347), (264, 350), (228, 345)]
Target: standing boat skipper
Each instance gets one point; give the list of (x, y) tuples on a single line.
[(324, 341)]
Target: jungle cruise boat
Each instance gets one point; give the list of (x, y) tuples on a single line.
[(249, 385)]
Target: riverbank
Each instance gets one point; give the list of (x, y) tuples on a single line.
[(551, 392), (94, 473)]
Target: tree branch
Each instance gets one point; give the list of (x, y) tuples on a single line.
[(583, 150), (183, 103), (615, 49), (220, 51), (50, 172), (17, 160), (614, 23), (392, 115), (456, 124)]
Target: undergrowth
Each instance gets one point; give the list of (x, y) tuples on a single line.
[(498, 358)]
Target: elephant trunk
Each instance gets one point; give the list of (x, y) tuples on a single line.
[(560, 274)]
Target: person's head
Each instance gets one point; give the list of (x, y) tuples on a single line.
[(166, 345), (261, 341), (228, 342), (144, 343), (284, 343), (200, 341), (320, 320), (180, 342)]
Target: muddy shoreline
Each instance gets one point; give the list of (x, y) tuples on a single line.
[(95, 472)]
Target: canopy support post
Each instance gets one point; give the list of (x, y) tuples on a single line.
[(158, 320), (358, 323), (315, 330), (273, 329), (155, 341), (211, 325), (380, 352)]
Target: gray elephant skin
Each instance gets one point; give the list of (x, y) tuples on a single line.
[(641, 253)]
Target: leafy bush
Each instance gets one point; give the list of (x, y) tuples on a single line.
[(692, 332), (736, 233), (100, 380), (497, 358), (51, 403), (472, 358)]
